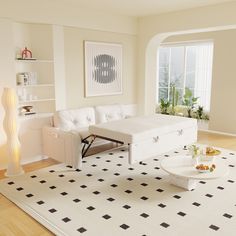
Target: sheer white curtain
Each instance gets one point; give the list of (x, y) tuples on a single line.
[(203, 74)]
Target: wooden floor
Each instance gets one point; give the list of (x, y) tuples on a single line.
[(15, 222)]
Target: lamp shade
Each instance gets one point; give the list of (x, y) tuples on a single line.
[(10, 125)]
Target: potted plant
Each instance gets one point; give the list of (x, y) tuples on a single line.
[(199, 112), (164, 106), (175, 99), (189, 101)]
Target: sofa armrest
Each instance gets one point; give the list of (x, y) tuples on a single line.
[(63, 146)]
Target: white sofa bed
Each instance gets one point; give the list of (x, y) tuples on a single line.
[(145, 136), (63, 140)]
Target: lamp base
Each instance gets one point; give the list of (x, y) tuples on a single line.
[(7, 174)]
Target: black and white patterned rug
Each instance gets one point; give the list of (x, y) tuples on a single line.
[(110, 197)]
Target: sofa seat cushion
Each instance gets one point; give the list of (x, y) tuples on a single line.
[(108, 113), (74, 119)]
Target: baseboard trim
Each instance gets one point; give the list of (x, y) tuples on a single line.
[(217, 132), (24, 162)]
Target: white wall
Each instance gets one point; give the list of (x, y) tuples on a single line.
[(74, 65), (154, 29)]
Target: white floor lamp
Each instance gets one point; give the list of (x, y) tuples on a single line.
[(9, 101)]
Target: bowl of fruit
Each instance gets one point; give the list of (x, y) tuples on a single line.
[(205, 168)]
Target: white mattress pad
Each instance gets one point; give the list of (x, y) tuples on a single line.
[(140, 128)]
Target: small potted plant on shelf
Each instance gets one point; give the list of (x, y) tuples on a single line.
[(164, 106)]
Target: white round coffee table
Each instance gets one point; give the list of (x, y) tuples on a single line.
[(184, 174)]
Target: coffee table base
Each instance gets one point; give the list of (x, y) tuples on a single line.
[(185, 183)]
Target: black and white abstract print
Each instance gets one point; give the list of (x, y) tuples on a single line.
[(103, 68)]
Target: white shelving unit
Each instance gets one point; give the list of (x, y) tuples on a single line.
[(41, 93), (35, 85), (33, 61)]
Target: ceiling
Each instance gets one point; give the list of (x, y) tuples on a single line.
[(140, 7)]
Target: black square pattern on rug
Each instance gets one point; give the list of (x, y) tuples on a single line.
[(124, 226), (82, 230), (130, 179), (220, 187), (165, 225), (96, 192), (177, 196), (76, 200), (83, 186), (110, 199), (114, 185), (40, 202), (227, 215), (126, 206), (144, 215), (128, 191), (52, 187), (162, 205), (214, 227), (52, 210), (160, 190), (66, 219), (144, 198), (108, 196), (91, 208), (106, 217), (196, 204), (181, 213)]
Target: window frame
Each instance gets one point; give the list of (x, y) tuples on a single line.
[(184, 44)]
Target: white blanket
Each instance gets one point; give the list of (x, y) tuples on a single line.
[(149, 135)]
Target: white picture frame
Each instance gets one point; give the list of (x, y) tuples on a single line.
[(103, 68)]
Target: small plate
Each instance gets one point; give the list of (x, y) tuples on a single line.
[(215, 153)]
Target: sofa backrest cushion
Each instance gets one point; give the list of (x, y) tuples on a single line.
[(129, 110), (108, 113), (74, 119)]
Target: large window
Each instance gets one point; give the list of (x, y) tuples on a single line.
[(186, 66)]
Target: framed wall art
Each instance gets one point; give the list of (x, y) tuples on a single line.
[(103, 68)]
